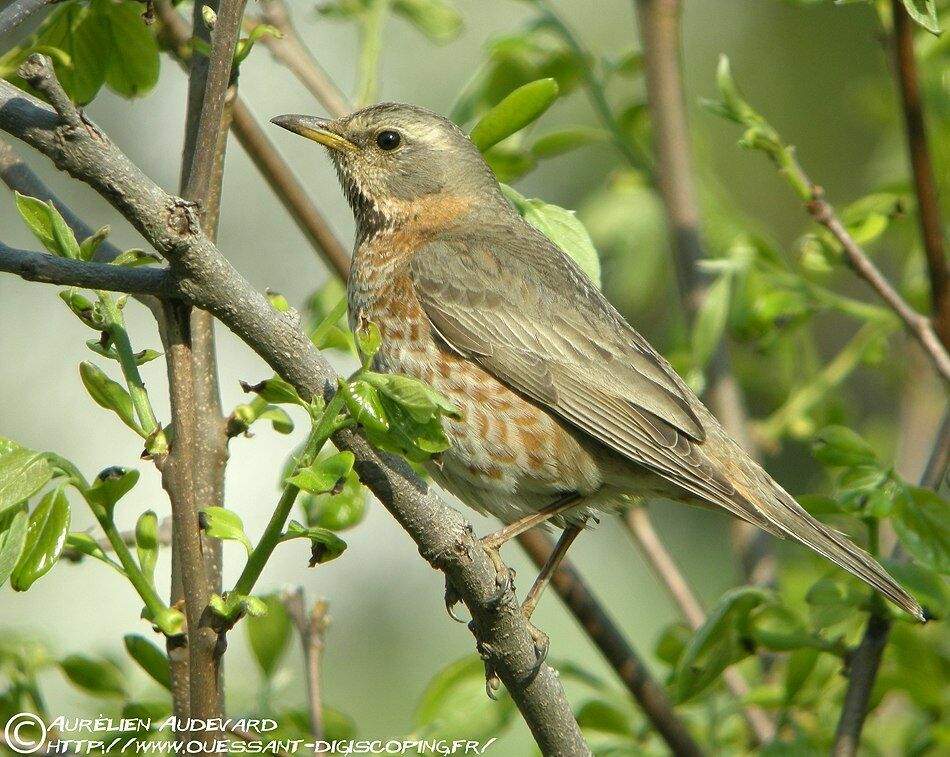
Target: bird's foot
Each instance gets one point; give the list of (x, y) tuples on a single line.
[(452, 598), (504, 578), (492, 681), (541, 646)]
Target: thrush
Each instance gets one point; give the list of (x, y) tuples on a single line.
[(566, 410)]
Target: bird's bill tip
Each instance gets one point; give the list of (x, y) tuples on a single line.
[(314, 128)]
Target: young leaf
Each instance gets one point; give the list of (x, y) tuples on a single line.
[(416, 397), (235, 605), (86, 545), (150, 658), (23, 472), (559, 142), (437, 19), (840, 446), (82, 308), (275, 390), (364, 406), (454, 705), (89, 245), (924, 12), (718, 643), (516, 111), (108, 394), (221, 523), (132, 54), (711, 320), (110, 486), (920, 519), (12, 540), (135, 258), (325, 475), (45, 539), (368, 340), (280, 421), (146, 543), (337, 512), (97, 677), (926, 585), (324, 545), (48, 226), (269, 634), (80, 34), (562, 227)]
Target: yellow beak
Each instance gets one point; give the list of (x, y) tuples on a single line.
[(315, 129)]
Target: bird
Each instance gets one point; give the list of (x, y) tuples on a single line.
[(566, 411)]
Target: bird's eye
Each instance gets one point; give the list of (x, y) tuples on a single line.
[(388, 140)]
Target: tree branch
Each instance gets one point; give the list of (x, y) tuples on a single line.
[(865, 661), (443, 537), (48, 269), (928, 206), (14, 15), (311, 628)]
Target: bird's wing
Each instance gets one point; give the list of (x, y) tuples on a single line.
[(525, 312)]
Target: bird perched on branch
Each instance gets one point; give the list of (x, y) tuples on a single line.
[(565, 409)]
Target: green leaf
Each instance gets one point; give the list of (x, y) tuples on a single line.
[(324, 545), (269, 634), (82, 36), (832, 601), (562, 227), (604, 717), (146, 543), (559, 142), (13, 525), (437, 19), (86, 545), (150, 658), (454, 706), (47, 225), (920, 519), (368, 340), (110, 486), (23, 472), (778, 629), (924, 12), (416, 397), (672, 643), (325, 475), (45, 539), (928, 588), (236, 605), (364, 406), (135, 258), (132, 58), (221, 523), (711, 320), (840, 446), (510, 163), (280, 421), (108, 394), (89, 245), (718, 643), (245, 45), (514, 112), (97, 677), (82, 308), (276, 391), (801, 664), (141, 358), (337, 512)]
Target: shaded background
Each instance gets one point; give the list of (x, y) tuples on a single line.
[(820, 75)]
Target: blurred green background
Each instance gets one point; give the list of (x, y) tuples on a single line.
[(818, 72)]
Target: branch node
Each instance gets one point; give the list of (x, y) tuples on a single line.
[(38, 72)]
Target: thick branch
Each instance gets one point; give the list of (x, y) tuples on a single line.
[(48, 269), (14, 15), (865, 661), (444, 539), (925, 186)]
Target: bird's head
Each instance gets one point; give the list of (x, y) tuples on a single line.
[(392, 157)]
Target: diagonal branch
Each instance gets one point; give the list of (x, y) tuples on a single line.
[(442, 535), (16, 13)]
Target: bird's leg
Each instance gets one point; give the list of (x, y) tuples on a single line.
[(509, 532), (551, 564), (504, 576)]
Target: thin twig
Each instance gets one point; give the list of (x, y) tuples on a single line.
[(311, 628), (14, 15), (925, 186), (625, 661), (919, 326), (864, 662), (666, 569), (291, 51), (443, 538)]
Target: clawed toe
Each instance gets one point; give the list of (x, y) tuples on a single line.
[(504, 579), (451, 599), (541, 646)]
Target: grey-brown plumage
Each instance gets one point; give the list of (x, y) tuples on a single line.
[(558, 392)]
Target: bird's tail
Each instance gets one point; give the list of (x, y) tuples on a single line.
[(793, 520)]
